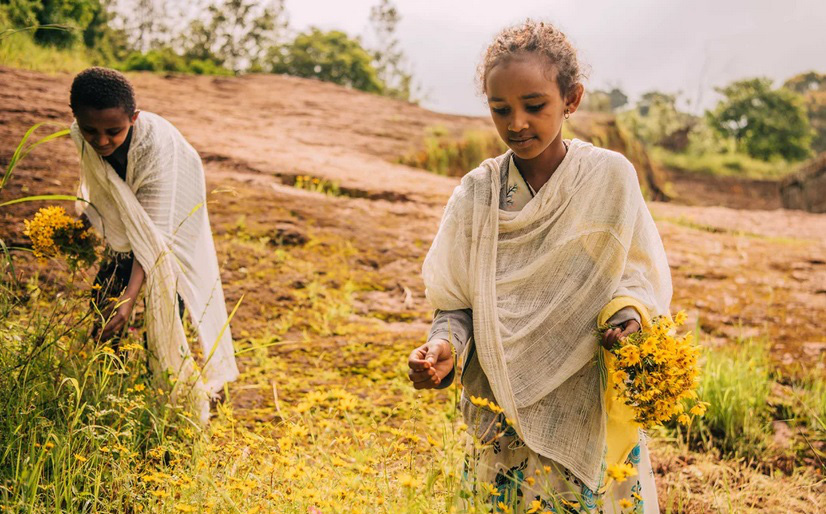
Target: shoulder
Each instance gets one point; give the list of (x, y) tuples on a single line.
[(487, 172), (607, 166), (150, 122)]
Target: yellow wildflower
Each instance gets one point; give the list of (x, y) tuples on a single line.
[(629, 356), (347, 403), (534, 507), (620, 472), (699, 409), (80, 458), (625, 503), (408, 481), (504, 507), (479, 401), (490, 488)]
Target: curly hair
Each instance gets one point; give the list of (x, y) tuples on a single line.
[(532, 37), (102, 88)]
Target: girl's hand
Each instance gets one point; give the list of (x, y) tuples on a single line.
[(615, 334), (118, 319), (430, 363)]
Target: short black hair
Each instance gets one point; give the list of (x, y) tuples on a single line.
[(102, 88)]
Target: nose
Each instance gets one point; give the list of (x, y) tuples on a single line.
[(101, 140), (518, 122)]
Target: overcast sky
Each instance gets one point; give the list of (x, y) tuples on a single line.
[(637, 45)]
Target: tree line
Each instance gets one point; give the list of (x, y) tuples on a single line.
[(753, 117), (218, 37)]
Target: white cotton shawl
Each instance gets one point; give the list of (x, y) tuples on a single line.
[(159, 213), (537, 279)]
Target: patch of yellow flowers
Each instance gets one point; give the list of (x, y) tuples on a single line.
[(655, 372), (54, 233)]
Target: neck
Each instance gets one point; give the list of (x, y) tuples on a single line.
[(538, 170)]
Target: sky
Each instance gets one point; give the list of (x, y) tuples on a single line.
[(673, 46)]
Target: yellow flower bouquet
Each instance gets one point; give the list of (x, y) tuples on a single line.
[(54, 233), (654, 372)]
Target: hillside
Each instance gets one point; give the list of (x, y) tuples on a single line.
[(338, 274)]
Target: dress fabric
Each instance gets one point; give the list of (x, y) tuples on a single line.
[(503, 461)]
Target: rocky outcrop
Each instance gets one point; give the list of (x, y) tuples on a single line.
[(806, 189)]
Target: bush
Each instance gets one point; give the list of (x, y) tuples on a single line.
[(166, 60), (329, 56)]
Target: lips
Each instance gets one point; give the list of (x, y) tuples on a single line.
[(521, 141)]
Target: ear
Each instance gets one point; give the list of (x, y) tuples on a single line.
[(135, 116), (574, 97)]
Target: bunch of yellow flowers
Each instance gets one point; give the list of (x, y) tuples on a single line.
[(54, 233), (655, 373)]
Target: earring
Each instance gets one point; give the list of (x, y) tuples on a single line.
[(567, 114)]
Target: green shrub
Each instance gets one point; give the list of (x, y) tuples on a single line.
[(166, 60)]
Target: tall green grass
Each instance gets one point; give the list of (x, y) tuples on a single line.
[(722, 164), (19, 50), (447, 155), (736, 382)]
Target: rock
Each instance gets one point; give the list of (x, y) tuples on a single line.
[(806, 189), (287, 234)]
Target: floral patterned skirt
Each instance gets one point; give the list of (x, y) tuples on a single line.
[(518, 479)]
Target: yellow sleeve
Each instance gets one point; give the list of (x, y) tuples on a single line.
[(621, 431)]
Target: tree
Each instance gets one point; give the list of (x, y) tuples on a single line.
[(764, 122), (604, 101), (812, 86), (238, 34), (388, 59), (618, 98), (657, 121), (329, 56)]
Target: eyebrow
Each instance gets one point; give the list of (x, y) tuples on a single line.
[(524, 97)]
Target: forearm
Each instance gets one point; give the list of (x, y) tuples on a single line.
[(453, 326), (136, 279)]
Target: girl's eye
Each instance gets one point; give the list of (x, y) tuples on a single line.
[(114, 132), (535, 108), (500, 110)]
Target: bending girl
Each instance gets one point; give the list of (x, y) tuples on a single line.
[(146, 184)]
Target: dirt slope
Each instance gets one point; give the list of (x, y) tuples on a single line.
[(742, 272)]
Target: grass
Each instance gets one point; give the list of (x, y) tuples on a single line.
[(736, 381), (723, 165), (19, 50), (447, 155)]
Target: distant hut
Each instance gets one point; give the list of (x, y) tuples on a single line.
[(806, 189)]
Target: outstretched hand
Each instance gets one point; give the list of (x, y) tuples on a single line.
[(430, 363), (612, 335)]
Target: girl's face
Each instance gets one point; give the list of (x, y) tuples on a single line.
[(526, 105), (104, 129)]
